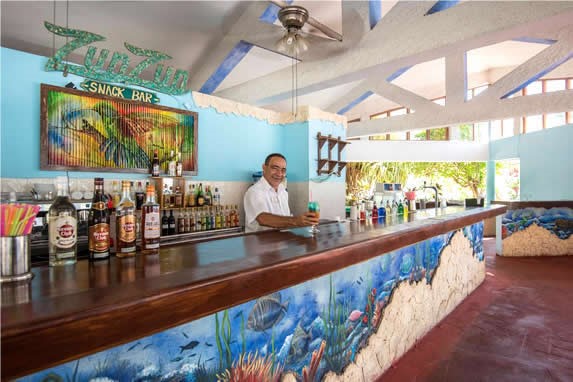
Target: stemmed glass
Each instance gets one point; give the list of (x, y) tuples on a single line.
[(314, 207)]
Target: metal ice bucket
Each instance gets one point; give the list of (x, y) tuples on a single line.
[(15, 258)]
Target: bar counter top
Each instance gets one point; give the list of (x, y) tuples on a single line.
[(67, 312)]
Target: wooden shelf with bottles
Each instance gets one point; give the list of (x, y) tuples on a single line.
[(163, 183), (335, 166)]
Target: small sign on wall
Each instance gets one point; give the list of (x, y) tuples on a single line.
[(119, 91)]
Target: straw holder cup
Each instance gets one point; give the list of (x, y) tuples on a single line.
[(15, 258)]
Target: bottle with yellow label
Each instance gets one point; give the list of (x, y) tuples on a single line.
[(125, 223), (98, 224)]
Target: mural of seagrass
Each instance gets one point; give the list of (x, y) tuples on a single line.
[(90, 132), (308, 329), (557, 220)]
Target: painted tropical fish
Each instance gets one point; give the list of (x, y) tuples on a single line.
[(191, 345), (299, 344), (267, 312)]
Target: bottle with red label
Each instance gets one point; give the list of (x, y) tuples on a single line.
[(62, 227), (150, 223), (98, 224), (125, 223)]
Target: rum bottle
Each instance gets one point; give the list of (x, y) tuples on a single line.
[(155, 164), (98, 224), (151, 223), (125, 218), (63, 228)]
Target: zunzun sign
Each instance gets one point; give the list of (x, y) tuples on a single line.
[(168, 82)]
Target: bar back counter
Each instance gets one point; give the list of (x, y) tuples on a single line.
[(341, 305)]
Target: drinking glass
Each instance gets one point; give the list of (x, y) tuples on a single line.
[(314, 207)]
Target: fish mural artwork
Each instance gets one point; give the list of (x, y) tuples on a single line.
[(307, 330), (267, 311), (557, 220)]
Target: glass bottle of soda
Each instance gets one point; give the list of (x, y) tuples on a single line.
[(98, 224), (150, 223), (125, 223)]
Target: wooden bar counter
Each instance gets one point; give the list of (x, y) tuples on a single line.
[(68, 312)]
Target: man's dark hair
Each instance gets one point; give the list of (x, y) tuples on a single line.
[(268, 159)]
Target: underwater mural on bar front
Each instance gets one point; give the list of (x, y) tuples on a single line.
[(307, 330), (557, 220)]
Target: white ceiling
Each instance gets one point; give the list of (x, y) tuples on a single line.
[(200, 34)]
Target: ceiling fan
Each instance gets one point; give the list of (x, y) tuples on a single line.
[(293, 18)]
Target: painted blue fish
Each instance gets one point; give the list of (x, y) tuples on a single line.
[(191, 345), (299, 344), (208, 344), (267, 312), (146, 346), (133, 346), (176, 359)]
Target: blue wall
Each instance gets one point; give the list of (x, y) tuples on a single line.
[(230, 147), (546, 170)]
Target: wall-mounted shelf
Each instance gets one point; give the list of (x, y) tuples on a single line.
[(335, 166)]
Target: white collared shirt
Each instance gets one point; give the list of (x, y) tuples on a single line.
[(262, 197)]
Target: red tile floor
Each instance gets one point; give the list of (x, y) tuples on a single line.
[(516, 326)]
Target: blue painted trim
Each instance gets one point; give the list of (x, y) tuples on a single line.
[(397, 73), (355, 102), (441, 5), (535, 40), (233, 58), (270, 14), (375, 14), (538, 75)]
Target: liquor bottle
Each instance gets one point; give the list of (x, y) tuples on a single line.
[(400, 208), (405, 207), (218, 218), (63, 227), (179, 165), (192, 196), (180, 223), (208, 196), (186, 222), (125, 225), (98, 224), (172, 167), (236, 216), (217, 197), (155, 164), (192, 223), (177, 198), (374, 212), (200, 197), (164, 224), (151, 223), (171, 223), (116, 194), (212, 217), (139, 196)]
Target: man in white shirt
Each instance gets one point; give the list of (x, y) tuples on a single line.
[(266, 202)]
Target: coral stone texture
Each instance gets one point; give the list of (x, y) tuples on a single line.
[(415, 308), (536, 241)]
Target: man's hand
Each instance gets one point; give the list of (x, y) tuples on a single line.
[(306, 219)]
